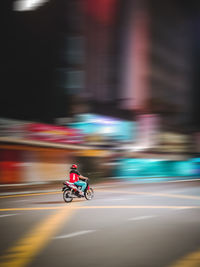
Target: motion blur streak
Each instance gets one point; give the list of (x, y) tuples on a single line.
[(106, 207), (155, 194), (28, 209), (191, 260), (25, 249), (23, 5)]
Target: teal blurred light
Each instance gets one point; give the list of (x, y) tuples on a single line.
[(116, 129), (134, 168)]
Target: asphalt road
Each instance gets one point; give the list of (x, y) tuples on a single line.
[(149, 225)]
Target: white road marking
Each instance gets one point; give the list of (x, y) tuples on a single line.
[(183, 208), (74, 234), (141, 218), (7, 215)]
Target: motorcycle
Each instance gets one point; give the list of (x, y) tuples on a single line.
[(70, 191)]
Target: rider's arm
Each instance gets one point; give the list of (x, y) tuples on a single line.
[(82, 177)]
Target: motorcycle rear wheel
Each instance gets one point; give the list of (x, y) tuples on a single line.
[(66, 196), (89, 194)]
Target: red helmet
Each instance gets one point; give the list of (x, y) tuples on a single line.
[(74, 166)]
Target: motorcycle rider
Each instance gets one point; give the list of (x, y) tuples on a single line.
[(75, 176)]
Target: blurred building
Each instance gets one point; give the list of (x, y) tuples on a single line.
[(139, 58), (113, 57), (172, 62)]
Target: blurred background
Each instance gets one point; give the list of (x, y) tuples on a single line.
[(110, 85)]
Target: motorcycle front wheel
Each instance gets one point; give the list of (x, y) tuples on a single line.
[(89, 194), (66, 196)]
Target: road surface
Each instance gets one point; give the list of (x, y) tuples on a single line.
[(147, 225)]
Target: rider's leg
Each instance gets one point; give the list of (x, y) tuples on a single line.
[(82, 184)]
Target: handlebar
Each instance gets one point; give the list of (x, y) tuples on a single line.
[(86, 179)]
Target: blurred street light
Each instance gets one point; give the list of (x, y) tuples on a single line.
[(26, 5)]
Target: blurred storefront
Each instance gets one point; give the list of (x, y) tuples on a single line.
[(34, 152), (10, 166), (36, 163)]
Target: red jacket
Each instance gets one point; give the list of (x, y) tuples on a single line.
[(74, 176)]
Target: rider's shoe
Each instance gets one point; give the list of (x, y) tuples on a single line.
[(81, 193)]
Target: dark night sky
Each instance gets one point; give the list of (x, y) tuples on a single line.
[(29, 56)]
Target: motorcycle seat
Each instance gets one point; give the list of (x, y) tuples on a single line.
[(69, 182)]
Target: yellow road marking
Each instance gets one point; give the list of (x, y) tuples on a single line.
[(190, 260), (102, 207), (31, 194), (26, 248), (151, 194)]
